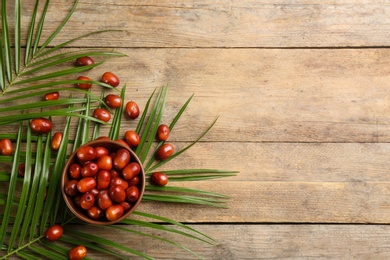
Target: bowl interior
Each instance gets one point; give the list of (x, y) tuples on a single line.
[(112, 146)]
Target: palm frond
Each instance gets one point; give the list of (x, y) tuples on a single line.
[(6, 41), (18, 35)]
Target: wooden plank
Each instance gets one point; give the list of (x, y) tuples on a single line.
[(268, 242), (287, 202), (223, 23), (263, 95), (267, 95)]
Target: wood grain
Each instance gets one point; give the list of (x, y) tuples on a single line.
[(300, 95), (225, 23), (270, 242)]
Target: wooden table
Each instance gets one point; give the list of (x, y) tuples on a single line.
[(302, 92)]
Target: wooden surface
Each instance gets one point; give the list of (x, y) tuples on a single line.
[(302, 92)]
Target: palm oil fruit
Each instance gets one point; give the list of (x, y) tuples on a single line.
[(103, 183), (110, 79), (163, 132), (132, 109), (165, 151), (52, 96), (84, 61), (6, 147), (113, 101), (102, 114), (132, 138), (41, 125), (56, 141), (159, 179), (82, 85), (54, 233), (78, 253)]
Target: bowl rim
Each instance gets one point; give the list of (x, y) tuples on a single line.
[(68, 199)]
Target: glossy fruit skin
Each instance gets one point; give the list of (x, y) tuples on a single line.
[(132, 194), (86, 184), (159, 179), (132, 138), (6, 147), (104, 200), (126, 206), (113, 101), (102, 114), (114, 212), (95, 212), (101, 151), (41, 125), (54, 233), (90, 169), (118, 181), (132, 110), (84, 61), (86, 153), (52, 96), (110, 79), (87, 200), (84, 85), (121, 159), (134, 181), (131, 170), (71, 188), (103, 179), (163, 132), (165, 151), (56, 141), (104, 163), (74, 171), (117, 194), (78, 253)]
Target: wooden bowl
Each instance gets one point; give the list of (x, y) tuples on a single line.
[(112, 146)]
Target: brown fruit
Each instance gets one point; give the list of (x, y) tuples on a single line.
[(74, 171), (118, 181), (56, 141), (90, 169), (95, 212), (71, 188), (83, 85), (86, 184), (87, 200), (41, 125), (86, 153), (131, 170), (132, 194), (104, 163), (84, 61), (114, 212), (117, 194), (52, 96), (21, 169), (163, 132), (121, 159), (110, 79), (101, 151), (134, 181), (6, 147), (78, 253), (165, 151), (159, 179), (132, 138), (54, 233), (104, 200), (102, 114), (113, 101), (132, 110), (103, 180)]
